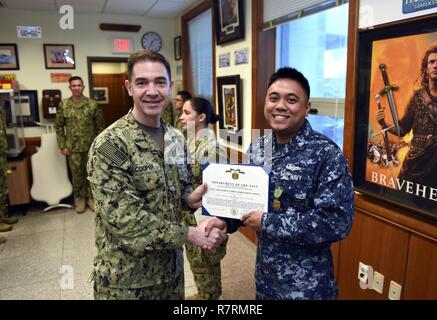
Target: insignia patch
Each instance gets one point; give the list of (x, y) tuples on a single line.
[(112, 153)]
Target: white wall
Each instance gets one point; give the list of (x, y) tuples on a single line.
[(87, 38), (108, 68), (375, 12), (245, 72)]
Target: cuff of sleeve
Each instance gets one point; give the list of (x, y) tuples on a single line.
[(268, 220), (181, 234)]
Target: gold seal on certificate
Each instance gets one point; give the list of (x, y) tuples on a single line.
[(234, 190)]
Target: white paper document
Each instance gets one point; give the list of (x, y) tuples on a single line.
[(233, 190)]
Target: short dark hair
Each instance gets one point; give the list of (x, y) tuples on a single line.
[(292, 74), (146, 55), (201, 105), (71, 79), (184, 94)]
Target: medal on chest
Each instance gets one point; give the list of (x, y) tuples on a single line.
[(277, 194)]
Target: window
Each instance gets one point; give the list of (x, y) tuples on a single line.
[(200, 35), (316, 45)]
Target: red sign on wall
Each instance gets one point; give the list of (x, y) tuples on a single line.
[(122, 45)]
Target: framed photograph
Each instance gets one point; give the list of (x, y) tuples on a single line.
[(229, 102), (179, 72), (396, 119), (100, 94), (59, 56), (229, 20), (9, 57), (242, 56), (26, 108), (177, 48), (225, 60)]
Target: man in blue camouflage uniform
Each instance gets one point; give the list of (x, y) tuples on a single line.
[(311, 198), (140, 180)]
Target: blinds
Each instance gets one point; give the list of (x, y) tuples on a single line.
[(280, 11), (200, 35)]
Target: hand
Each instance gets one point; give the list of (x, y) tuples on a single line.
[(253, 219), (196, 236), (217, 230), (194, 200), (215, 223), (65, 152), (380, 117)]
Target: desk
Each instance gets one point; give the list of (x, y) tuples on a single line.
[(18, 181)]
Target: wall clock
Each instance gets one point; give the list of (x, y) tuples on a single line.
[(151, 41)]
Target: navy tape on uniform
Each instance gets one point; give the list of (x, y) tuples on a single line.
[(112, 153)]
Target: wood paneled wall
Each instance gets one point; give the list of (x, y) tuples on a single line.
[(421, 272), (376, 243), (119, 100)]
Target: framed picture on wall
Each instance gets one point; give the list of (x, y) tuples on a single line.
[(229, 103), (100, 94), (177, 48), (396, 126), (229, 20), (9, 57), (26, 108), (59, 56)]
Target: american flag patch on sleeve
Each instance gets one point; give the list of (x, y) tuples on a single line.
[(113, 154)]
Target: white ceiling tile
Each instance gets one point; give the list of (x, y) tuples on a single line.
[(130, 7), (48, 5), (149, 8), (83, 6), (169, 8)]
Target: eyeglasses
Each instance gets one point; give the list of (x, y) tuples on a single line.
[(177, 100)]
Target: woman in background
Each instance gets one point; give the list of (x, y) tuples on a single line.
[(197, 114)]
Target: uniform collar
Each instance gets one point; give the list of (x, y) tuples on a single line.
[(297, 142), (82, 102), (145, 140)]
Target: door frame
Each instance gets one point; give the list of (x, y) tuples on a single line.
[(91, 60)]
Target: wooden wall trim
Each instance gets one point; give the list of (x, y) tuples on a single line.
[(351, 76), (396, 217), (263, 63)]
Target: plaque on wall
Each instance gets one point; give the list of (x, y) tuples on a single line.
[(50, 102)]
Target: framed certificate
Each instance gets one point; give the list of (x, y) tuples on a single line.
[(233, 190)]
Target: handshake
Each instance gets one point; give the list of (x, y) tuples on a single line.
[(208, 235)]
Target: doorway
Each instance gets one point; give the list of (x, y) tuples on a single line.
[(106, 81)]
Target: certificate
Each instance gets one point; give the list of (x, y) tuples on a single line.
[(233, 190)]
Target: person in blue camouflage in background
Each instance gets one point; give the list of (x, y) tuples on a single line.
[(311, 198)]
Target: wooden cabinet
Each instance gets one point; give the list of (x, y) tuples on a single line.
[(398, 253), (421, 275), (18, 181), (376, 243)]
